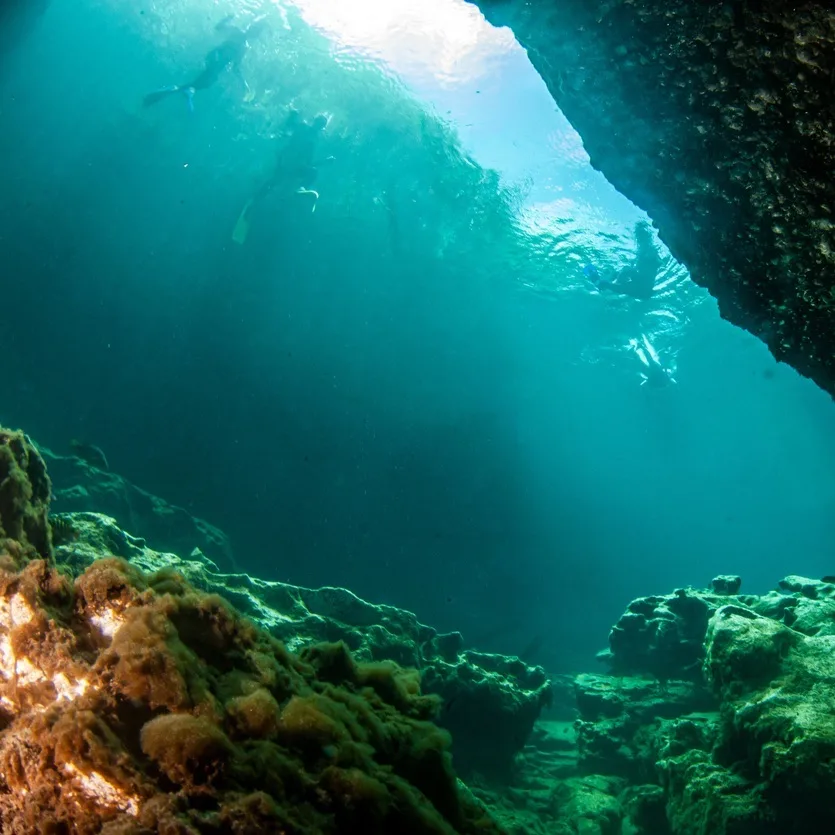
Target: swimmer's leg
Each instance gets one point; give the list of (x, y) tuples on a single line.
[(241, 230)]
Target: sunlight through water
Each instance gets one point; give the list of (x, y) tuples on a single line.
[(478, 78), (424, 41)]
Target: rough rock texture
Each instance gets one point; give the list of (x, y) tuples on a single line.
[(527, 805), (619, 717), (718, 119), (777, 688), (78, 486), (135, 703), (663, 635), (720, 720), (24, 499), (478, 691)]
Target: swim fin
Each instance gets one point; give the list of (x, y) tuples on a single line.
[(241, 230), (159, 95), (165, 92)]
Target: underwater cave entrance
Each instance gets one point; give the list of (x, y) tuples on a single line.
[(457, 426), (670, 461)]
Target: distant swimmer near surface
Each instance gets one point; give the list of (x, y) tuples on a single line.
[(637, 279), (295, 170), (227, 55), (653, 371)]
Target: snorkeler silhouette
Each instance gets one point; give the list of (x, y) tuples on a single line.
[(294, 171), (638, 278), (227, 55)]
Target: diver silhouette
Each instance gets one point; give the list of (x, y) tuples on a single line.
[(227, 55), (637, 279), (295, 170)]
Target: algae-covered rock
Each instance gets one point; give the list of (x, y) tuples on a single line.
[(664, 635), (484, 690), (133, 703), (725, 722), (588, 806), (525, 805), (726, 584), (134, 696), (741, 743), (777, 688), (25, 492), (619, 730), (477, 690), (706, 798), (644, 810)]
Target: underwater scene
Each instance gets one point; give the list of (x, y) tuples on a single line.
[(370, 463)]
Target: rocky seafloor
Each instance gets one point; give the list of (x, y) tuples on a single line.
[(141, 691), (717, 717)]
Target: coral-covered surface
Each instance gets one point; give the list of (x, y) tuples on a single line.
[(134, 703), (718, 120)]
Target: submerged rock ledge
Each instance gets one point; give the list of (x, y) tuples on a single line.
[(477, 690), (717, 119)]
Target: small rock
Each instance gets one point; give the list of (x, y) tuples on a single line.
[(726, 584)]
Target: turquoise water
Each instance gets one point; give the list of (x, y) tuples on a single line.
[(412, 391)]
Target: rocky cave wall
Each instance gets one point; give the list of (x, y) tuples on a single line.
[(716, 118)]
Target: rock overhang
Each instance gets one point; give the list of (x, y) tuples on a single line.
[(717, 119)]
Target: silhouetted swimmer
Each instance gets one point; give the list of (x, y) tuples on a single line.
[(653, 371), (227, 55), (295, 170), (638, 278)]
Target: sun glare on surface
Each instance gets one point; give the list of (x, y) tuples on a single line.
[(445, 41)]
